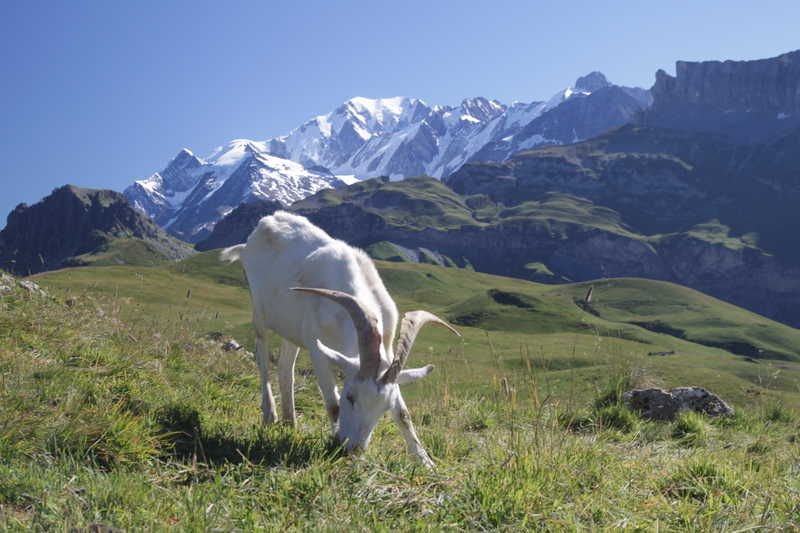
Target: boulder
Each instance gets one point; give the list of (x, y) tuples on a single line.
[(660, 404), (32, 288), (7, 283)]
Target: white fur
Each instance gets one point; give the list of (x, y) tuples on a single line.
[(286, 250)]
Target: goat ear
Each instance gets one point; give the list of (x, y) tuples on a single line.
[(346, 364), (413, 374)]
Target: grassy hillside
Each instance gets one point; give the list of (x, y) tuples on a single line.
[(124, 251), (116, 409)]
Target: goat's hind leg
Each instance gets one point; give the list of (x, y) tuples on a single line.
[(286, 381), (268, 414)]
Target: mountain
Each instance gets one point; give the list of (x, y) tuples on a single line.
[(74, 226), (362, 138), (748, 101), (402, 137), (551, 236), (592, 107), (714, 158), (191, 194), (236, 226)]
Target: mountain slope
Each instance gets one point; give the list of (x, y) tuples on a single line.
[(556, 236), (363, 138), (192, 194), (75, 226)]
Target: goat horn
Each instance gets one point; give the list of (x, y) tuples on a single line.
[(366, 324), (409, 327)]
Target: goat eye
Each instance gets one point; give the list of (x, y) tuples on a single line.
[(350, 398)]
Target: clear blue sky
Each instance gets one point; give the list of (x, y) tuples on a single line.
[(99, 93)]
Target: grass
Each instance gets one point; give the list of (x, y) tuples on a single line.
[(123, 251), (116, 409)]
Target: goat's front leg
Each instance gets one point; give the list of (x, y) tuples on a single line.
[(402, 418), (268, 414), (327, 385), (286, 380)]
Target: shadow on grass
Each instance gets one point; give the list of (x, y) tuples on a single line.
[(184, 438)]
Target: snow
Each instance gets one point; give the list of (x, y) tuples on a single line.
[(349, 179), (176, 198), (383, 127), (152, 184)]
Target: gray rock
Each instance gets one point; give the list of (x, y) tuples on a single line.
[(7, 283), (660, 404), (231, 345), (32, 288)]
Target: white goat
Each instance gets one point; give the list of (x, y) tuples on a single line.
[(318, 292)]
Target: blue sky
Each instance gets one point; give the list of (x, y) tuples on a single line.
[(101, 93)]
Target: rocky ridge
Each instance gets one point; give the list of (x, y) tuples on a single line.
[(73, 221), (749, 101)]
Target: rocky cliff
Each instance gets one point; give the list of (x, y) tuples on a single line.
[(751, 101), (74, 221)]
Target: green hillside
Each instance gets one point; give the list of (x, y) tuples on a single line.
[(124, 251), (505, 321), (116, 408)]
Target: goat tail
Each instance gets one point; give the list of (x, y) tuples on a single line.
[(234, 253)]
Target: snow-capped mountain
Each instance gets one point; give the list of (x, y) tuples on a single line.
[(402, 137), (191, 194), (363, 138)]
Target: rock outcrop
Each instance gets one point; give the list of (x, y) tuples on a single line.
[(72, 221), (751, 101), (660, 404)]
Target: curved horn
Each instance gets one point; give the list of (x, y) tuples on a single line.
[(366, 324), (409, 327)]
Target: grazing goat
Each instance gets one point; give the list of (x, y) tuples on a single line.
[(318, 292)]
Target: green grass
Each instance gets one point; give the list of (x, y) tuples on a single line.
[(562, 211), (115, 409), (128, 251)]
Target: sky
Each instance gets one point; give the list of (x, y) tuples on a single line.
[(101, 93)]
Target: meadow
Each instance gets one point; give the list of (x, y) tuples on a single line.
[(117, 408)]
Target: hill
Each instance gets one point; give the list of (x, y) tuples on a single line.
[(77, 226), (505, 219), (117, 410), (627, 317)]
